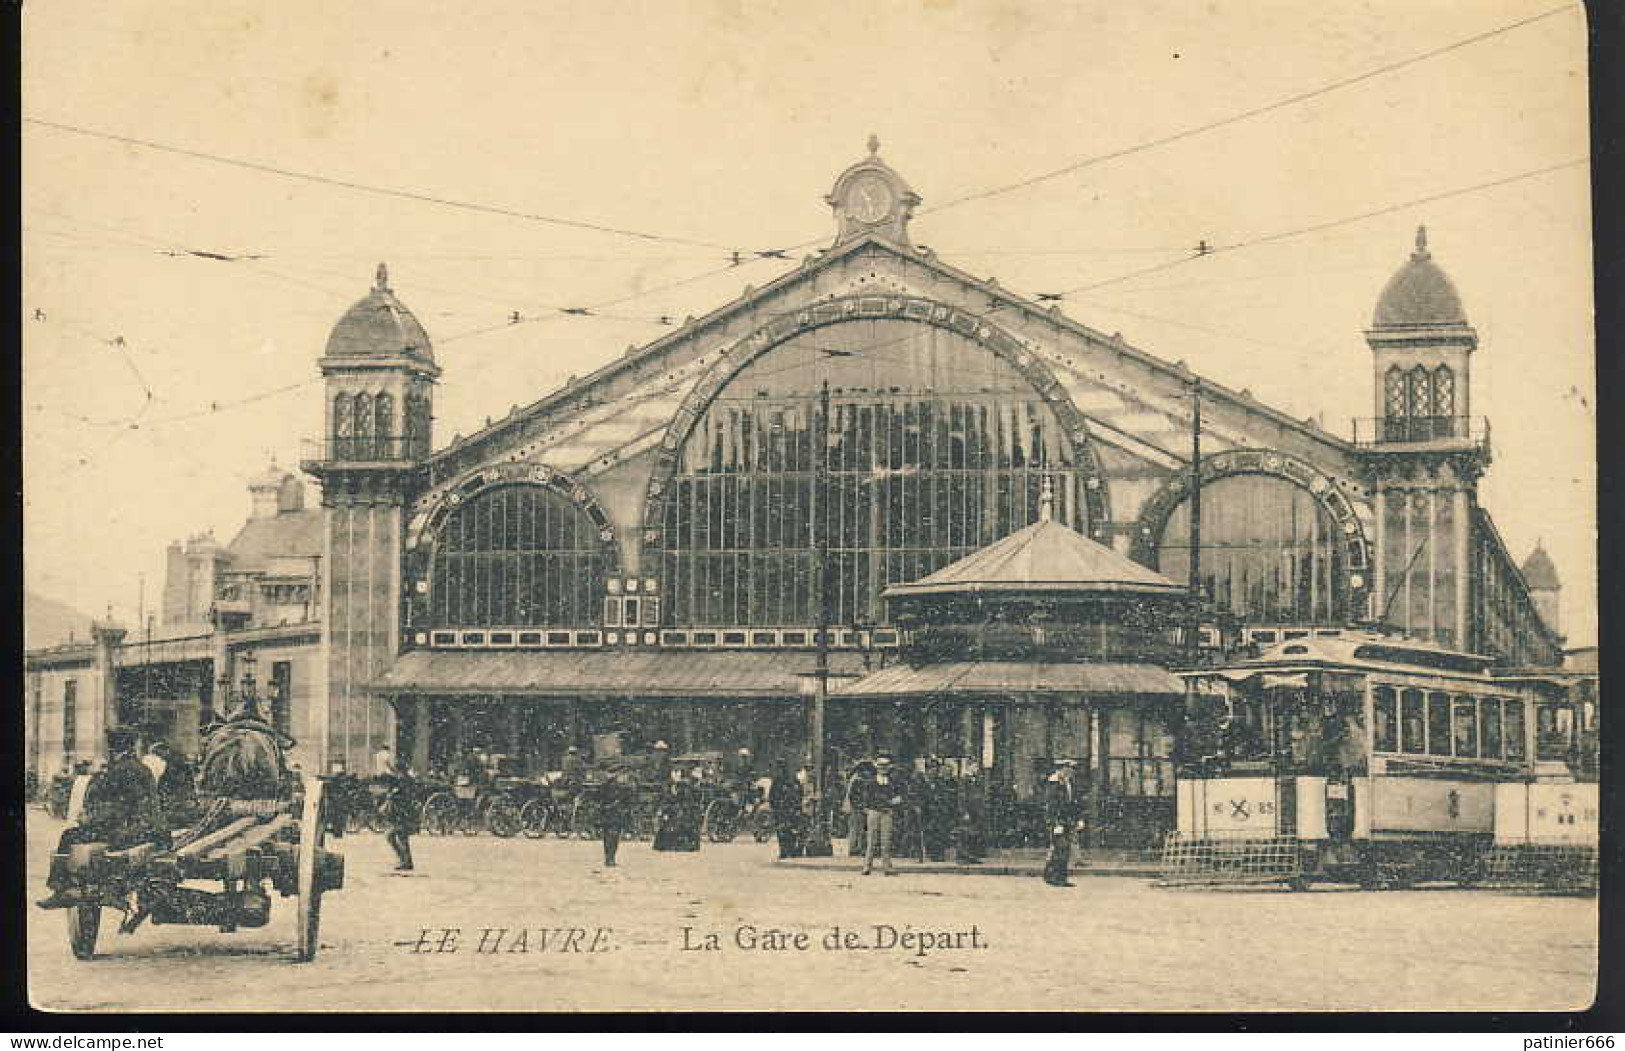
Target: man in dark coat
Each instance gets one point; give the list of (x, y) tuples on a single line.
[(614, 800), (971, 836), (177, 788), (120, 809), (1063, 811), (784, 799), (939, 811), (399, 811)]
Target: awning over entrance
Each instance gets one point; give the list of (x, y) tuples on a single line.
[(607, 673), (1014, 678)]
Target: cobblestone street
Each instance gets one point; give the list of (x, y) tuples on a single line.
[(1112, 943)]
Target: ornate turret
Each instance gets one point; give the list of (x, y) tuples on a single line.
[(1422, 453)]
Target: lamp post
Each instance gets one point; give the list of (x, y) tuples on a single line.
[(816, 843)]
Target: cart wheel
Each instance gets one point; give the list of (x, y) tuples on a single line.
[(584, 820), (502, 818), (533, 819), (310, 896), (84, 921), (721, 821), (439, 812)]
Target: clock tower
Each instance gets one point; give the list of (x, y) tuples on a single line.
[(870, 198)]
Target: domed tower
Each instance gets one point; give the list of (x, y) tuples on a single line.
[(1422, 452), (380, 373)]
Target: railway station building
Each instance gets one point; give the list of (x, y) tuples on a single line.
[(637, 555)]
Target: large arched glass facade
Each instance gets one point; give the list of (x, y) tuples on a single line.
[(517, 556), (936, 447), (1271, 552)]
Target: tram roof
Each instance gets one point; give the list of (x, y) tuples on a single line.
[(1360, 650)]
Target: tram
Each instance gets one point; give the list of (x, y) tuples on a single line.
[(1373, 760)]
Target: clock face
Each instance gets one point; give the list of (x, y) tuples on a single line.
[(870, 198)]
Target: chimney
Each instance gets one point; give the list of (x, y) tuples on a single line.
[(177, 583), (264, 492)]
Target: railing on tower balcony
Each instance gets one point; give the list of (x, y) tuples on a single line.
[(368, 449), (1412, 430)]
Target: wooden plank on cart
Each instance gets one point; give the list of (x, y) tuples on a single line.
[(198, 846), (251, 838)]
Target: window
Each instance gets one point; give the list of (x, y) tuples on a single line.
[(1554, 731), (934, 448), (281, 695), (1270, 551), (1489, 721), (1466, 727), (1385, 727), (343, 417), (1138, 759), (70, 716), (1394, 398), (1438, 724), (1444, 392), (1413, 724), (518, 556), (384, 411), (362, 442), (1420, 394), (1512, 717)]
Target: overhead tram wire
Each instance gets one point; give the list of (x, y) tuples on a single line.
[(1257, 111), (360, 187), (1210, 251)]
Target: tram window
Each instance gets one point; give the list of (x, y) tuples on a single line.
[(1512, 716), (1489, 719), (1438, 724), (1466, 727), (1411, 723), (1385, 728), (1554, 729)]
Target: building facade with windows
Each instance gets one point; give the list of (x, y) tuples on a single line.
[(652, 548), (648, 553), (245, 614)]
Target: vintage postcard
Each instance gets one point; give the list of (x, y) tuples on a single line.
[(726, 505)]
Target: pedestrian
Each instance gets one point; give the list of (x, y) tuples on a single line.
[(680, 816), (383, 762), (613, 803), (971, 838), (154, 761), (177, 790), (940, 811), (573, 769), (400, 812), (856, 837), (1062, 815), (880, 799), (784, 799)]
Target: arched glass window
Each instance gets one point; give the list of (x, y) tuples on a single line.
[(362, 442), (383, 410), (936, 447), (343, 420), (1444, 392), (1270, 551), (1420, 396), (1395, 399), (517, 556)]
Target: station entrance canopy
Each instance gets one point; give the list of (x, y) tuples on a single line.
[(724, 674)]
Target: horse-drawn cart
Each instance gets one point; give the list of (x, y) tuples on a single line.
[(243, 845)]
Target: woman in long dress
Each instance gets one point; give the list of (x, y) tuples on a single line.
[(680, 816)]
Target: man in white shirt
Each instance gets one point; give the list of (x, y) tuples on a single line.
[(154, 762)]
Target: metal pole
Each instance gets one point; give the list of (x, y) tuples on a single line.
[(817, 842), (1193, 641)]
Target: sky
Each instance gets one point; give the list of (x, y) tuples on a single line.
[(599, 151)]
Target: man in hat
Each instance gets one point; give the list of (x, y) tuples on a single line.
[(660, 767), (1062, 813), (120, 809), (614, 800), (879, 798), (573, 766)]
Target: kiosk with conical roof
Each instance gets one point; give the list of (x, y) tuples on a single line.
[(1045, 645)]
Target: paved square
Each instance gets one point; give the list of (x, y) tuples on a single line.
[(1112, 943)]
